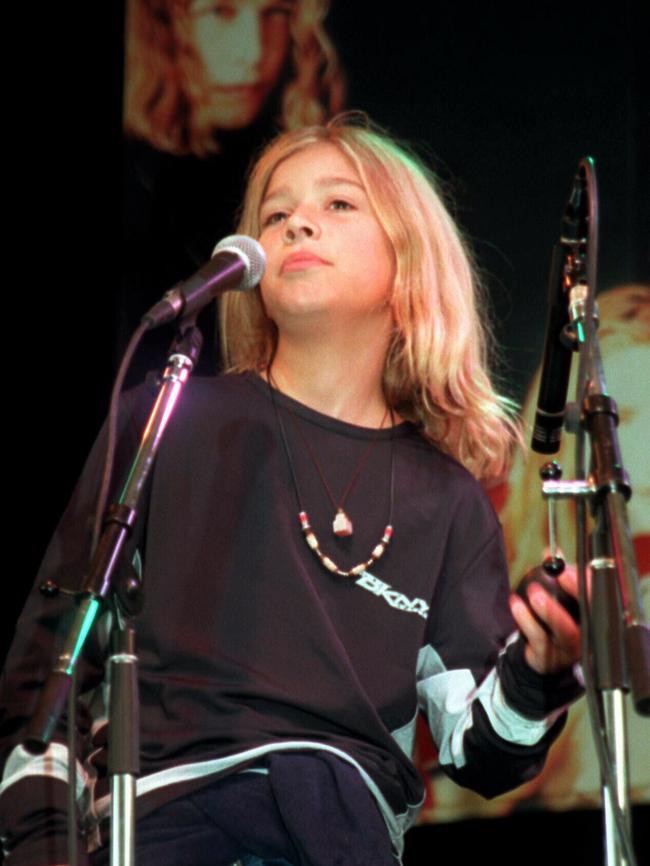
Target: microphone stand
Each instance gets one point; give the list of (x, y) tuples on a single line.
[(628, 634), (616, 648), (615, 635), (617, 653), (96, 590)]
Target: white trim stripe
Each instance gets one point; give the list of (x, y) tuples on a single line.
[(508, 723), (447, 696), (396, 824), (446, 700), (405, 737), (53, 763)]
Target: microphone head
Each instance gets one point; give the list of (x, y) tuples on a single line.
[(250, 252)]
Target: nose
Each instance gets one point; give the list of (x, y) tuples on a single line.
[(300, 225), (246, 36)]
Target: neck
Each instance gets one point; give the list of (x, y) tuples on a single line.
[(339, 377)]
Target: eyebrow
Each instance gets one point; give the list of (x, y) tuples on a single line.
[(323, 182)]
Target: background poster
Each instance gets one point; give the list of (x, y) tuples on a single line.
[(501, 104)]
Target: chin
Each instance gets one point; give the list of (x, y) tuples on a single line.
[(296, 299), (230, 113), (297, 312)]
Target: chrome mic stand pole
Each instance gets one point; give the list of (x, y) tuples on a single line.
[(96, 590), (123, 747)]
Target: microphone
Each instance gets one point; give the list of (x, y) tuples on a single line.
[(567, 266), (237, 264)]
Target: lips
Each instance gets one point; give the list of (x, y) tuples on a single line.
[(235, 88), (236, 91), (300, 261)]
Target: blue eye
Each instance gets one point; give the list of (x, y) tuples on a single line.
[(274, 218), (341, 204)]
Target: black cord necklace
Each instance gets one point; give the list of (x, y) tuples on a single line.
[(305, 526)]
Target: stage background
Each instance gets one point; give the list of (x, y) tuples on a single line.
[(502, 106)]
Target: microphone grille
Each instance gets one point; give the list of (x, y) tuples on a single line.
[(250, 252)]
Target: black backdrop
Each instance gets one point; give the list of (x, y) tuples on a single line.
[(502, 103)]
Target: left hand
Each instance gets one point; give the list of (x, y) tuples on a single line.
[(549, 653)]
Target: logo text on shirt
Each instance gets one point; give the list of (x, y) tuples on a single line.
[(395, 599)]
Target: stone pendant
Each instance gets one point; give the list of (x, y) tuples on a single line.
[(342, 525)]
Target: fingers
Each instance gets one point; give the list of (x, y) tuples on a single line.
[(538, 645), (550, 611), (546, 653), (569, 579), (523, 617)]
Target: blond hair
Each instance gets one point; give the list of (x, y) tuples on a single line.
[(166, 96), (435, 372)]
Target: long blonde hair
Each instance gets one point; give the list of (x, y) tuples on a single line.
[(435, 372), (165, 95)]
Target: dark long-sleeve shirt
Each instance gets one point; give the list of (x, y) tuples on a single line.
[(248, 645)]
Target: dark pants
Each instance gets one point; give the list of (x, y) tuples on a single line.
[(310, 809)]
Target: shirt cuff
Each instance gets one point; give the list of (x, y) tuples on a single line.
[(535, 695)]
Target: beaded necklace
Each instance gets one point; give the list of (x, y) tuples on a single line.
[(308, 533)]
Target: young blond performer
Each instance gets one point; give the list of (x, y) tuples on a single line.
[(320, 562)]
